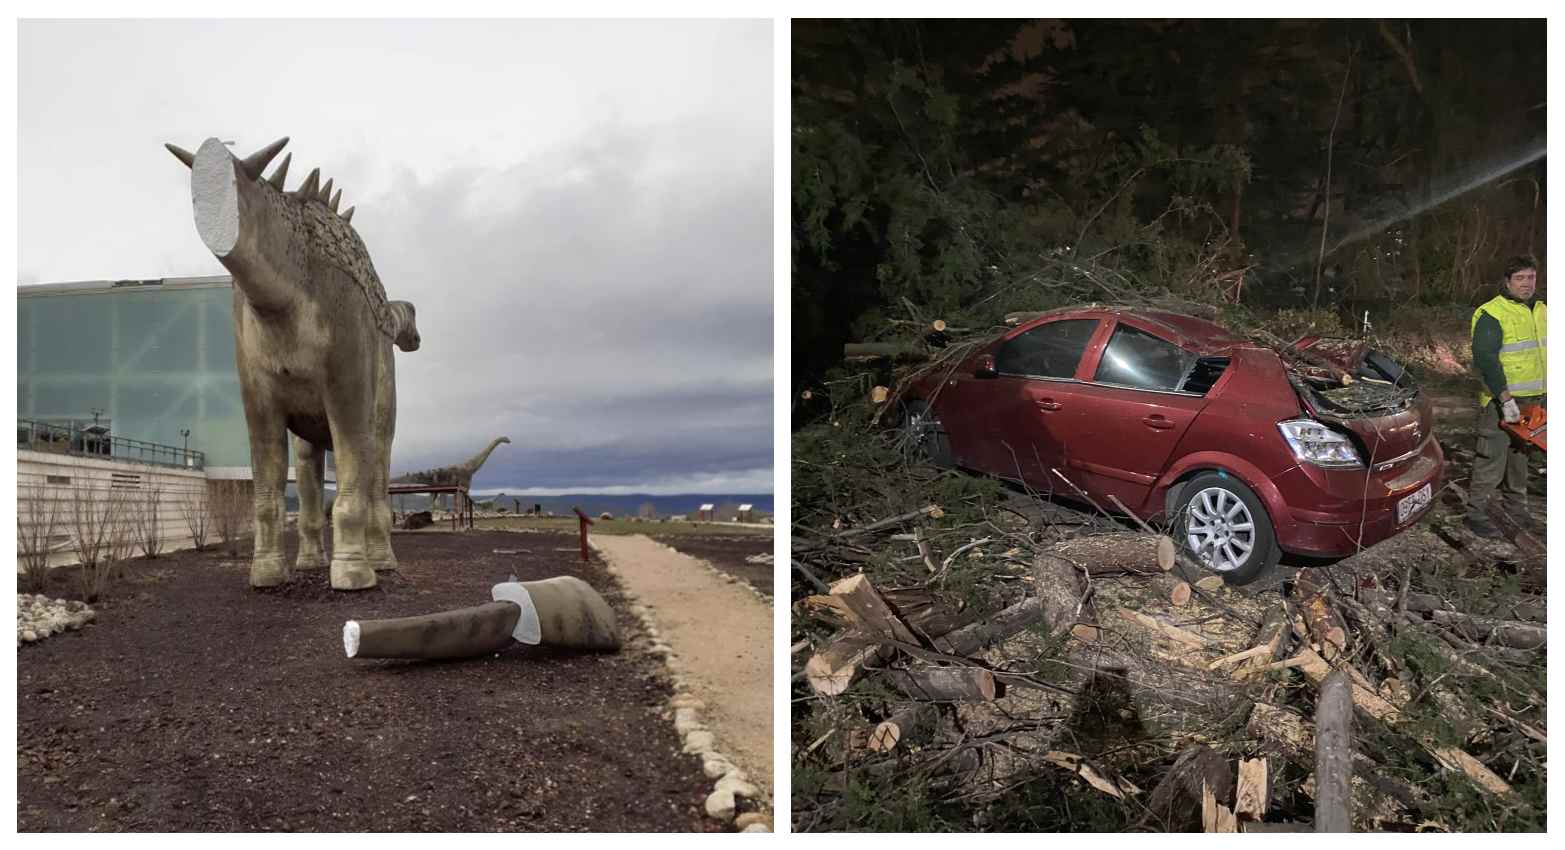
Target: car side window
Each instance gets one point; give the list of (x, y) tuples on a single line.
[(1050, 350), (1135, 358)]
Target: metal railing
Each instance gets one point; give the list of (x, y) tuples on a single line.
[(89, 442)]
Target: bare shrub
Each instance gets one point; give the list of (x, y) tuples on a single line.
[(97, 523), (231, 511), (37, 520), (197, 511), (145, 522)]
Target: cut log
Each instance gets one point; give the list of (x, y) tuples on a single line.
[(873, 614), (834, 669), (879, 394), (1175, 590), (1503, 632), (1334, 754), (1119, 551), (1060, 592), (945, 684), (904, 724), (463, 633)]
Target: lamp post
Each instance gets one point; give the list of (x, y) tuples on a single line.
[(185, 432)]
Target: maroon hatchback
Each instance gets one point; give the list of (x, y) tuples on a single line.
[(1244, 453)]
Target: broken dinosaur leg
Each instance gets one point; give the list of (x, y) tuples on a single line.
[(562, 612), (463, 633)]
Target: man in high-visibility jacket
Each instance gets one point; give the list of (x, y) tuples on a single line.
[(1510, 353)]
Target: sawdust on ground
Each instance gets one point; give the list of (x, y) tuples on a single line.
[(722, 635)]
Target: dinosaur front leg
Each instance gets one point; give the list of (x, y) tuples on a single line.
[(312, 516), (269, 465), (348, 412)]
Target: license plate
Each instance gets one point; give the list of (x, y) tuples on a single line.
[(1414, 503)]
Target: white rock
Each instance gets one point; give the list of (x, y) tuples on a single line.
[(720, 805), (749, 819), (699, 741), (716, 767), (736, 784), (686, 721), (757, 827), (29, 635)]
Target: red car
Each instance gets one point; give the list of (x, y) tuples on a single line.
[(1246, 454)]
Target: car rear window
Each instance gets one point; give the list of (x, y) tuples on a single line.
[(1051, 350), (1135, 358)]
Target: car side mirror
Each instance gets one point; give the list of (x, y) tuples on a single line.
[(985, 367)]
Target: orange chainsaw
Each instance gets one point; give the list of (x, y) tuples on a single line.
[(1533, 427)]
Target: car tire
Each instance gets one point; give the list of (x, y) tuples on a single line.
[(1223, 525), (922, 437)]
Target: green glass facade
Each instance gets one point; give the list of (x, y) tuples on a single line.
[(155, 357)]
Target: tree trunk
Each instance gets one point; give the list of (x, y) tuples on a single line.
[(945, 684), (1334, 755)]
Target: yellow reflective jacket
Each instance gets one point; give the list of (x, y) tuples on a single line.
[(1524, 353)]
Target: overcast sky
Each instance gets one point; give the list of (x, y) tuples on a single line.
[(580, 211)]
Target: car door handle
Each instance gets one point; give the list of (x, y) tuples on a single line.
[(1157, 421), (1046, 404)]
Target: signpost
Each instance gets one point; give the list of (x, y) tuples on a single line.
[(584, 523)]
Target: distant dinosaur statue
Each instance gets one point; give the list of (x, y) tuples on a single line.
[(460, 474), (313, 336)]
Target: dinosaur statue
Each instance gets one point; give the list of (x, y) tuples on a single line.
[(461, 474), (313, 336)]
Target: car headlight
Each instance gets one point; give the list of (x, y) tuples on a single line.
[(1313, 442)]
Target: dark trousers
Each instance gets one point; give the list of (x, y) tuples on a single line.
[(1497, 460)]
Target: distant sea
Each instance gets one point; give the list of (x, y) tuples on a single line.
[(630, 504), (596, 503)]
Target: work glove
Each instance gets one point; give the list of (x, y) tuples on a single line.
[(1509, 412)]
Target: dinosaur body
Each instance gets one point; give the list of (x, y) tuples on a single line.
[(313, 335), (460, 474)]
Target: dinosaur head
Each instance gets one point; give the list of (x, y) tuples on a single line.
[(407, 338), (268, 238)]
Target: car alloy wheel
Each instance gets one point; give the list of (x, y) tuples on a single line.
[(1225, 526), (1220, 529), (923, 438)]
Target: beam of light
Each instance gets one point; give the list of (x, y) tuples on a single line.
[(1441, 192)]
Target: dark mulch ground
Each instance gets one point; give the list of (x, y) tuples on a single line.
[(196, 703), (728, 554)]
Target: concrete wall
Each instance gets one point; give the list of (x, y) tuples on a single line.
[(47, 480)]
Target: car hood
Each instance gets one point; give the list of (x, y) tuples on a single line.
[(1343, 383)]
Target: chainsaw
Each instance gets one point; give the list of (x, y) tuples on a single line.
[(1532, 428)]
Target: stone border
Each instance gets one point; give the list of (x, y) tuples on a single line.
[(38, 616), (732, 783)]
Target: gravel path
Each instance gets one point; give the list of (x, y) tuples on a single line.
[(722, 635)]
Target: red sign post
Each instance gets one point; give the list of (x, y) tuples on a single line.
[(584, 523)]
